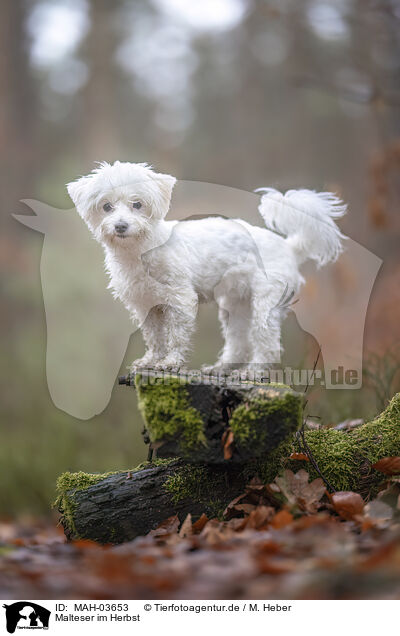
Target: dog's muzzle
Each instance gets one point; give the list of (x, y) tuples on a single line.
[(120, 228)]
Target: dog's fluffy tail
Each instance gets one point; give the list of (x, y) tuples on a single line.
[(305, 218)]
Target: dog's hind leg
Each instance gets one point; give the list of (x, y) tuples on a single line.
[(266, 329), (235, 319)]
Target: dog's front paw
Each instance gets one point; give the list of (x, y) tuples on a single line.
[(172, 362), (219, 368), (143, 363)]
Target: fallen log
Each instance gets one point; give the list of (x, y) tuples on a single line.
[(344, 458), (117, 507)]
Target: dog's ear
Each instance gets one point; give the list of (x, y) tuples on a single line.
[(161, 202), (79, 192)]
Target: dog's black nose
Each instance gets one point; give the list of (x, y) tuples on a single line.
[(121, 227)]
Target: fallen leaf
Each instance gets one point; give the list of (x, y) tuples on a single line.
[(198, 525), (169, 526), (282, 518), (260, 517), (237, 524), (299, 492), (347, 504), (277, 565), (246, 508), (186, 529), (378, 510), (228, 440), (86, 544), (256, 494), (388, 465), (230, 510), (391, 497), (215, 532), (299, 457)]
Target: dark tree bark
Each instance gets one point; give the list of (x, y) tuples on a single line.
[(214, 422), (18, 110), (124, 505)]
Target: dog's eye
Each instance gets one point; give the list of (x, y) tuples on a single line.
[(137, 205), (107, 207)]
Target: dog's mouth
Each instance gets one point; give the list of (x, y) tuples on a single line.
[(122, 236)]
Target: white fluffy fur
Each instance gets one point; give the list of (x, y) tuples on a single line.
[(162, 269)]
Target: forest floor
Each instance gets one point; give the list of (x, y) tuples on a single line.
[(285, 540)]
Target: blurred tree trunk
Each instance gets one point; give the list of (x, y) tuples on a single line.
[(17, 109), (100, 129)]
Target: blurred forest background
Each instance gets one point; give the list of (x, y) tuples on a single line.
[(236, 92)]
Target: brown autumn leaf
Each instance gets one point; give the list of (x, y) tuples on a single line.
[(231, 509), (237, 524), (347, 504), (215, 532), (227, 441), (388, 465), (186, 529), (281, 519), (378, 512), (259, 518), (299, 492), (198, 525), (299, 457), (169, 526), (258, 493), (246, 508), (86, 544), (277, 565)]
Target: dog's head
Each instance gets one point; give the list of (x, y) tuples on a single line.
[(122, 202)]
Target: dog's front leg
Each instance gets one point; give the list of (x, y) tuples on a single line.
[(178, 326), (153, 333)]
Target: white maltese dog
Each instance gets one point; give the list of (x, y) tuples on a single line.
[(161, 270)]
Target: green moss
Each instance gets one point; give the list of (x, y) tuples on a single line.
[(344, 458), (68, 483), (266, 420), (195, 484), (154, 462), (277, 461), (80, 480), (168, 414)]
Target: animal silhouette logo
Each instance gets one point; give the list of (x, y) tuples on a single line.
[(26, 615)]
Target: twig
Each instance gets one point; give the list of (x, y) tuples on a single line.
[(313, 371), (304, 447)]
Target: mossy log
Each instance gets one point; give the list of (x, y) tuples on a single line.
[(215, 423), (117, 507), (345, 459)]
